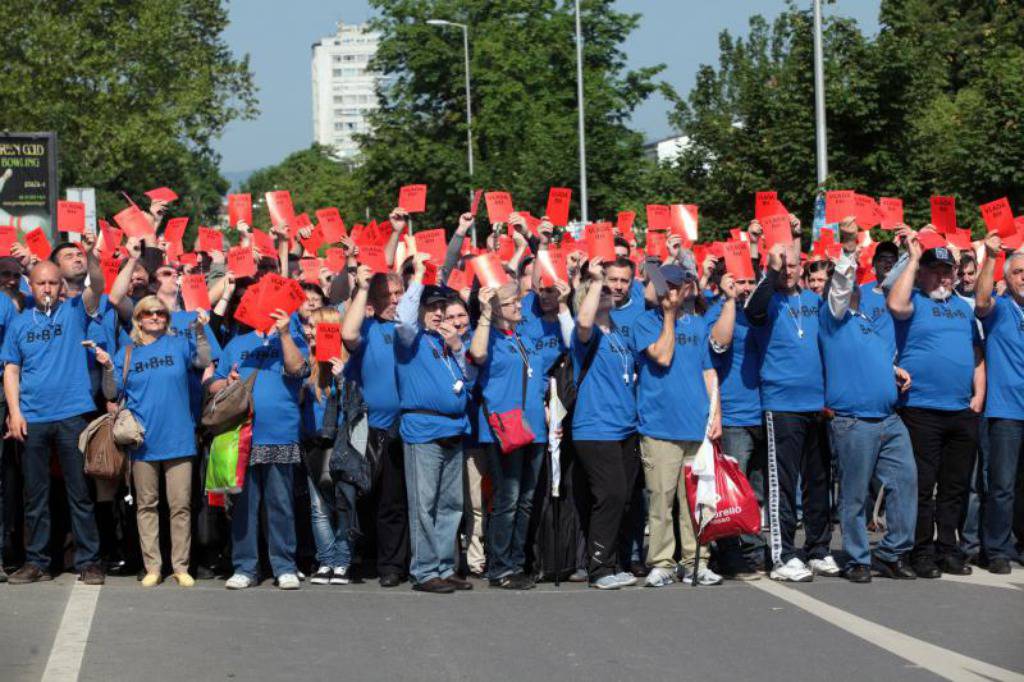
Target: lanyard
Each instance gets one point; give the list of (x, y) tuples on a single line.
[(444, 359), (522, 354), (618, 347), (797, 322)]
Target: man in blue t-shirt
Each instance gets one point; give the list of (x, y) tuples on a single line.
[(939, 345), (785, 327), (1003, 319), (869, 440), (49, 394), (385, 512)]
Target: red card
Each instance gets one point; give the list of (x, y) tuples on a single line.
[(960, 238), (175, 229), (506, 248), (892, 212), (71, 216), (827, 236), (298, 222), (111, 267), (111, 239), (624, 221), (999, 218), (430, 274), (164, 194), (1017, 240), (277, 292), (531, 223), (328, 341), (944, 214), (279, 206), (8, 236), (372, 255), (38, 244), (432, 242), (930, 239), (331, 224), (413, 198), (553, 266), (210, 240), (310, 270), (134, 222), (999, 275), (867, 211), (239, 209), (337, 260), (489, 271), (777, 230), (766, 204), (839, 204), (248, 311), (659, 217), (459, 280), (656, 245), (476, 201), (683, 221), (558, 205), (194, 292), (190, 259), (499, 205), (600, 241), (264, 243), (314, 242), (240, 261)]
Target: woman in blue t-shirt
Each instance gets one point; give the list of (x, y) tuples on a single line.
[(604, 426), (155, 388)]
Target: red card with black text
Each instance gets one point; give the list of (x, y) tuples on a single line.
[(600, 241), (624, 221), (248, 311), (372, 256), (337, 260), (71, 216), (194, 292), (557, 209), (279, 206), (766, 204), (839, 204), (111, 266), (930, 240), (659, 217), (264, 243), (944, 214), (328, 341), (892, 212), (656, 245), (280, 293), (241, 262), (499, 205), (164, 194), (239, 209), (413, 198), (867, 211), (209, 240), (999, 218), (777, 230), (313, 243), (331, 224), (432, 242), (459, 280), (8, 236), (134, 222), (175, 229), (38, 244), (506, 248), (310, 270), (553, 266)]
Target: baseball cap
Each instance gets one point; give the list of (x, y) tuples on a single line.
[(433, 294), (886, 248), (939, 255)]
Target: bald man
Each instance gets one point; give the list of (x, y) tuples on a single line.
[(46, 383)]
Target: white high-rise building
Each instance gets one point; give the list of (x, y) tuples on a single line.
[(344, 90)]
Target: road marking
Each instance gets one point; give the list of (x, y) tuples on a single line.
[(65, 660), (986, 579), (943, 662)]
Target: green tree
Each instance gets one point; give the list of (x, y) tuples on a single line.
[(137, 92), (523, 66)]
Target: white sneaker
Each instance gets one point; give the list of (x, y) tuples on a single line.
[(288, 581), (793, 571), (322, 576), (625, 579), (659, 577), (705, 576), (239, 581), (827, 567), (340, 576)]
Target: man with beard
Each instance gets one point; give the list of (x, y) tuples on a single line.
[(940, 347)]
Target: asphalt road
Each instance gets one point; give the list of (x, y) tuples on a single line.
[(954, 628)]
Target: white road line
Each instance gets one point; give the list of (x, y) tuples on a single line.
[(986, 579), (65, 660), (943, 662)]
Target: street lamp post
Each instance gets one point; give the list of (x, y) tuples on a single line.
[(579, 104), (469, 108), (819, 98)]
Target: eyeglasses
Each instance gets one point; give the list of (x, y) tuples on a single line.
[(154, 313)]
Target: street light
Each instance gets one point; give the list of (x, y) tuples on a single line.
[(819, 98), (469, 109), (579, 104)]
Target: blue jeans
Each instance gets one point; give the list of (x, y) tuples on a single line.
[(271, 483), (62, 437), (332, 524), (514, 479), (433, 480), (970, 535), (880, 448), (746, 445), (1004, 445)]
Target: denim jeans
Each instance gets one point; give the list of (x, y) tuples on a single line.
[(433, 479), (332, 523), (514, 479), (746, 445), (60, 436), (271, 483), (880, 448), (970, 535), (1004, 445)]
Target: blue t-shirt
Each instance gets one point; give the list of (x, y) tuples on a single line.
[(872, 305), (427, 375), (7, 314), (858, 353), (54, 365), (275, 395), (500, 380), (739, 372), (1004, 359), (372, 366), (673, 402), (606, 400), (791, 375), (936, 345), (158, 395), (625, 317)]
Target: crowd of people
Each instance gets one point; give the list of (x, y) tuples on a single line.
[(879, 385)]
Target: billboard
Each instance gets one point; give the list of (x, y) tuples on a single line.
[(28, 180)]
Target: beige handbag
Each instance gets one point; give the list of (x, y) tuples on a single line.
[(105, 438)]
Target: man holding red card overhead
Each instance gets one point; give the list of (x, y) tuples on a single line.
[(1003, 320), (940, 346), (371, 341), (792, 397)]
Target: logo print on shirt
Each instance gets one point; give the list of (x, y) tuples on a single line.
[(48, 334), (948, 313), (261, 354), (154, 362)]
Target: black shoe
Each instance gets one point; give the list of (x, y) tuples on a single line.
[(205, 573), (434, 586), (459, 583), (639, 569), (897, 570), (517, 581), (926, 568), (93, 575), (393, 580), (858, 574), (3, 575), (954, 565), (478, 575), (999, 566), (29, 573)]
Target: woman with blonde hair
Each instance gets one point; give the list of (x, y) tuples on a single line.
[(151, 376)]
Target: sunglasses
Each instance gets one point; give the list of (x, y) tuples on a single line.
[(154, 313)]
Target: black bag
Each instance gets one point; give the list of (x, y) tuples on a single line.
[(554, 524), (566, 381)]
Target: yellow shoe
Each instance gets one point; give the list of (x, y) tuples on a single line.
[(151, 580), (185, 580)]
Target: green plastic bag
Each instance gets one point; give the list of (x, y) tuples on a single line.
[(229, 459)]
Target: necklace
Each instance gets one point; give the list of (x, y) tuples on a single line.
[(618, 347)]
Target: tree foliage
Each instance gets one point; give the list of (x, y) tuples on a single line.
[(137, 92)]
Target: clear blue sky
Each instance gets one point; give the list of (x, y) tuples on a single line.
[(277, 35)]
